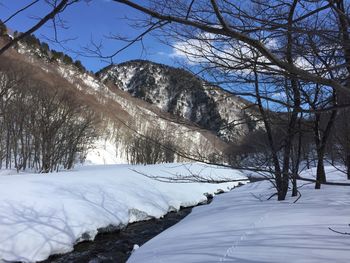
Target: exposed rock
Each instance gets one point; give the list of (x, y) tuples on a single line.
[(184, 95)]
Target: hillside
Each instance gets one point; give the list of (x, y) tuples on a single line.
[(143, 108), (184, 95)]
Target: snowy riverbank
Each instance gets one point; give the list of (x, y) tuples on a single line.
[(43, 214), (243, 226)]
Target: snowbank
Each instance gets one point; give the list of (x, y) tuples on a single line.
[(242, 226), (104, 152), (43, 214)]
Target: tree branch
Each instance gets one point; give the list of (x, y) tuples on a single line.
[(60, 7), (290, 68)]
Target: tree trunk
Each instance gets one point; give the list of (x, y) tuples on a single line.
[(295, 186), (296, 161), (278, 175), (321, 142), (320, 174), (307, 161), (348, 166), (294, 115)]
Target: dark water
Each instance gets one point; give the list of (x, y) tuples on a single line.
[(116, 247)]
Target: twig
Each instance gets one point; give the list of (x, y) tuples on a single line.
[(338, 232), (188, 179), (59, 8), (296, 200), (19, 11), (271, 196), (257, 197)]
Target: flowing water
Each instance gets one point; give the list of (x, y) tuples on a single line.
[(116, 246)]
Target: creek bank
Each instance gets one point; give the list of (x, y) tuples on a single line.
[(116, 246)]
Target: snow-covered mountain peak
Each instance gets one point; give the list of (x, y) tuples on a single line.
[(183, 94)]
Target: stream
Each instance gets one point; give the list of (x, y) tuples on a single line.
[(116, 246)]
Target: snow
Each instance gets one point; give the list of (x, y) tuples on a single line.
[(230, 108), (243, 226), (104, 152), (43, 214)]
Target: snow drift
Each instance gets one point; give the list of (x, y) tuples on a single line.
[(44, 214), (243, 226)]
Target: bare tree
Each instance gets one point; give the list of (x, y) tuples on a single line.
[(156, 146), (287, 44), (283, 54), (341, 137), (43, 127)]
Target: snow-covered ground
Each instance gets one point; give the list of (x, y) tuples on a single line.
[(104, 152), (43, 214), (243, 226)]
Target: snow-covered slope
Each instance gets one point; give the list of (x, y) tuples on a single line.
[(47, 214), (124, 117), (181, 93), (243, 226)]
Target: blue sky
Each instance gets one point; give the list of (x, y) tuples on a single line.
[(94, 20)]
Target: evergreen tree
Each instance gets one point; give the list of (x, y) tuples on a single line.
[(3, 29)]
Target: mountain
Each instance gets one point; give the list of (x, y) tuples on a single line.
[(184, 95), (147, 112)]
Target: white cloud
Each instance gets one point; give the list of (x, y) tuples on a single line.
[(236, 55), (215, 50), (194, 51)]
